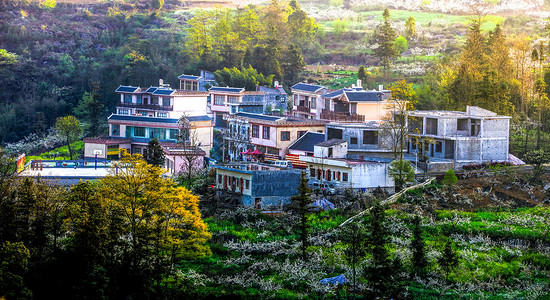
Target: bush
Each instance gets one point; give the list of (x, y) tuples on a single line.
[(450, 178)]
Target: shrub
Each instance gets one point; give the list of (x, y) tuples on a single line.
[(450, 178)]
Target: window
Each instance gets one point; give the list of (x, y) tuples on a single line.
[(327, 104), (265, 132), (312, 172), (173, 134), (300, 133), (296, 101), (165, 101), (162, 115), (232, 99), (438, 147), (127, 98), (138, 99), (330, 152), (123, 112), (285, 135), (220, 179), (115, 130), (247, 184), (256, 131), (158, 133), (219, 99), (345, 176), (413, 144), (139, 131), (353, 141), (334, 133), (370, 137), (313, 104)]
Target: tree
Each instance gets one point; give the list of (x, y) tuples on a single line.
[(385, 38), (157, 4), (161, 223), (353, 237), (301, 204), (155, 154), (69, 128), (362, 75), (248, 78), (537, 158), (394, 128), (450, 178), (188, 140), (7, 58), (402, 172), (13, 266), (401, 44), (419, 261), (448, 259), (410, 27), (379, 273), (90, 109)]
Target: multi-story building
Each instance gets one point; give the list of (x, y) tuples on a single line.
[(269, 134), (225, 100), (307, 100), (143, 114), (454, 138), (364, 139), (197, 83)]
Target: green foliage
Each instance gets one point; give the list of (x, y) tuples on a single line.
[(90, 109), (450, 178), (448, 259), (410, 27), (402, 172), (248, 78), (155, 154), (157, 4), (7, 58), (301, 204), (13, 266), (48, 4), (537, 158), (419, 261), (353, 238), (385, 38), (70, 129)]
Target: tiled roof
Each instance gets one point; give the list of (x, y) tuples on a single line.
[(226, 89), (189, 93), (330, 142), (127, 89), (364, 96), (107, 140), (198, 118), (189, 77), (307, 141), (163, 92), (307, 87), (337, 93), (143, 119)]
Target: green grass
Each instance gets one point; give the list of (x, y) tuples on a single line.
[(61, 153)]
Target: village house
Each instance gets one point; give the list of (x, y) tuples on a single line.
[(197, 83), (451, 139), (155, 112), (331, 165), (307, 100), (364, 139), (258, 185), (304, 145), (269, 134)]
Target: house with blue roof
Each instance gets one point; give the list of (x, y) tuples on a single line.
[(197, 83), (307, 100)]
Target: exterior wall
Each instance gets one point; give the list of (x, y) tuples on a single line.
[(495, 128), (89, 149), (205, 136), (373, 111), (271, 142), (371, 175), (283, 145), (237, 174), (178, 163), (191, 105), (338, 150), (494, 149), (468, 149), (349, 131)]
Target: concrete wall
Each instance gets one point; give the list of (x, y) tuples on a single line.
[(371, 175), (177, 163), (338, 150), (275, 183), (495, 149), (283, 145), (447, 127), (205, 136), (374, 111), (468, 149), (495, 128), (237, 174), (190, 105)]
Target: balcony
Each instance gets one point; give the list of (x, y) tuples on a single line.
[(341, 116), (146, 106), (303, 109)]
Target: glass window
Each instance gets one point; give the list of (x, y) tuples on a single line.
[(311, 172), (345, 176), (127, 98), (139, 131), (265, 133), (247, 184), (115, 130), (232, 99), (123, 112), (219, 178), (219, 99), (300, 133), (370, 137), (353, 140), (173, 134), (256, 131), (159, 133), (285, 135), (296, 102), (313, 104), (165, 101), (438, 147), (162, 115), (138, 99)]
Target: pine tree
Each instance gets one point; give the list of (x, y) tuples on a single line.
[(353, 237), (379, 272), (301, 204), (419, 261), (385, 37), (449, 258), (155, 154), (410, 27), (362, 75)]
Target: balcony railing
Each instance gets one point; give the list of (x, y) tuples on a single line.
[(341, 116), (303, 109), (146, 106)]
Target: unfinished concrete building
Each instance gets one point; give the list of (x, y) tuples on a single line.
[(444, 139)]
